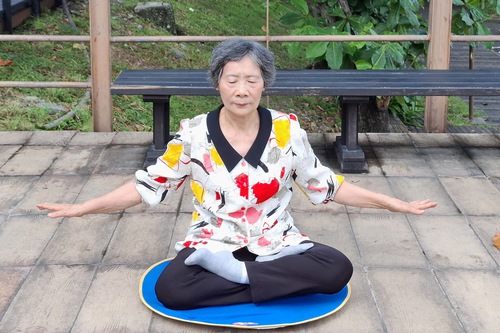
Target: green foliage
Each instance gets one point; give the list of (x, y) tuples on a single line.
[(67, 61), (469, 17), (374, 17)]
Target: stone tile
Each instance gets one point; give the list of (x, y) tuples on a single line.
[(81, 240), (393, 140), (360, 305), (410, 300), (420, 188), (50, 189), (122, 160), (363, 140), (376, 184), (485, 227), (386, 240), (487, 159), (30, 160), (13, 190), (474, 295), (441, 140), (330, 229), (316, 139), (14, 137), (496, 182), (133, 138), (6, 152), (402, 161), (473, 196), (48, 138), (77, 160), (23, 238), (450, 162), (98, 185), (141, 239), (330, 138), (468, 140), (49, 299), (112, 303), (11, 278), (92, 139), (160, 324), (374, 168), (449, 242), (327, 158)]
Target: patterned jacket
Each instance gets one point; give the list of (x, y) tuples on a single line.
[(240, 201)]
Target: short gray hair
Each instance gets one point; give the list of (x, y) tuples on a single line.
[(237, 49)]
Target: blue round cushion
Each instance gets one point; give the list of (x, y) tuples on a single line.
[(272, 314)]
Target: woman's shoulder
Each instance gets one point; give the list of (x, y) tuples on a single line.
[(276, 114), (196, 121)]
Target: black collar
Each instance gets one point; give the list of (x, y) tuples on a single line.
[(230, 156)]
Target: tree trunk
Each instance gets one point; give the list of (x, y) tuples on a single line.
[(371, 119)]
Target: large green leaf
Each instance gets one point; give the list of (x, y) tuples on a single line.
[(290, 18), (363, 65), (464, 14), (396, 52), (413, 19), (316, 50), (301, 5), (334, 55), (294, 49), (379, 58)]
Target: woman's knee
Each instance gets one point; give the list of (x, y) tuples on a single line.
[(337, 272), (172, 294)]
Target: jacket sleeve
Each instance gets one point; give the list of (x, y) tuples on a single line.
[(318, 182), (169, 171)]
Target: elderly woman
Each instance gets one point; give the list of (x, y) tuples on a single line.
[(241, 160)]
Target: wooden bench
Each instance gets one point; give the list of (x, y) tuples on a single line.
[(14, 12), (355, 87)]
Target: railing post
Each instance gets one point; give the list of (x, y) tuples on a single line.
[(438, 57), (100, 50)]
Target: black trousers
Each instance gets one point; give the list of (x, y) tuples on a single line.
[(321, 269)]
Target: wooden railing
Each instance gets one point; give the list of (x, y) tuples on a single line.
[(439, 38)]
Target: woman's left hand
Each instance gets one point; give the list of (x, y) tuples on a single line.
[(414, 207)]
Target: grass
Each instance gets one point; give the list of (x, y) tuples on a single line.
[(49, 61)]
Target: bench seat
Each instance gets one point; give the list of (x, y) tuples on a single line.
[(355, 87)]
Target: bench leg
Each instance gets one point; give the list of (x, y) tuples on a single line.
[(7, 16), (346, 149), (161, 127)]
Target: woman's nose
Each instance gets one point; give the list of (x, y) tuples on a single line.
[(241, 88)]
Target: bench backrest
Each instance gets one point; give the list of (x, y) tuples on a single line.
[(321, 82)]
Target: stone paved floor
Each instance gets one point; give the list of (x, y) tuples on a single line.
[(433, 273)]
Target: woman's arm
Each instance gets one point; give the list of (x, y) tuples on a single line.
[(352, 195), (123, 197)]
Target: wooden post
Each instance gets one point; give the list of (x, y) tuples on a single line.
[(438, 57), (100, 55)]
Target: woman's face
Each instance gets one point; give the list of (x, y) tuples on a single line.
[(241, 86)]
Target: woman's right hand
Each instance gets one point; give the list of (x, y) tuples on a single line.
[(62, 210)]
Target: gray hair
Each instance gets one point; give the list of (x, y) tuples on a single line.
[(237, 49)]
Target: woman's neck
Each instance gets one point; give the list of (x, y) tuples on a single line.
[(240, 132), (232, 123)]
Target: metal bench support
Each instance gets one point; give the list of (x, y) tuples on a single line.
[(346, 148), (161, 126)]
